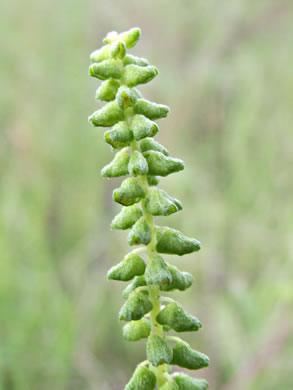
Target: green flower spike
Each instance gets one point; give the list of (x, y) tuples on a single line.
[(130, 118)]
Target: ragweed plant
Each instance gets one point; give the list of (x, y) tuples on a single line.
[(147, 313)]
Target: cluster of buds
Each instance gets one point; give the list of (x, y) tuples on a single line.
[(148, 314)]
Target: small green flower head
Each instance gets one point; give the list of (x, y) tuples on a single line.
[(175, 316), (157, 272), (137, 330), (173, 242), (186, 357), (158, 350), (132, 265), (129, 192), (142, 379), (127, 217), (136, 307)]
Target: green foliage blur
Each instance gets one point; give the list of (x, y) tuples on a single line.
[(226, 72)]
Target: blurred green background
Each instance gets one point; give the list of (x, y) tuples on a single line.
[(226, 72)]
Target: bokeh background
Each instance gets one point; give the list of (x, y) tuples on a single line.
[(226, 72)]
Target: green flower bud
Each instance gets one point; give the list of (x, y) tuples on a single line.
[(184, 356), (175, 316), (107, 91), (161, 165), (142, 127), (185, 382), (138, 281), (142, 379), (137, 330), (150, 144), (173, 242), (141, 233), (118, 166), (119, 136), (153, 180), (107, 116), (126, 97), (132, 265), (101, 54), (180, 280), (133, 60), (126, 218), (117, 49), (158, 350), (136, 307), (130, 37), (170, 385), (105, 70), (150, 109), (157, 271), (133, 75), (158, 202), (137, 164), (129, 192)]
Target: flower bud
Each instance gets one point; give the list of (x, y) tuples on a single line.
[(133, 75), (126, 218), (118, 166), (117, 49), (142, 379), (158, 350), (132, 265), (157, 271), (126, 97), (150, 109), (185, 382), (153, 180), (133, 60), (175, 316), (161, 165), (138, 281), (150, 144), (141, 233), (158, 202), (119, 136), (180, 280), (101, 54), (107, 116), (129, 192), (137, 330), (137, 164), (170, 385), (105, 70), (142, 127), (136, 307), (173, 242), (184, 356), (130, 37), (107, 90)]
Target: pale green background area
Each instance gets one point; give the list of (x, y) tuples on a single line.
[(226, 72)]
